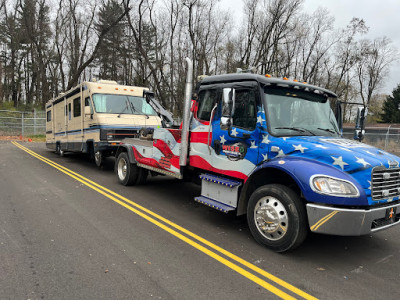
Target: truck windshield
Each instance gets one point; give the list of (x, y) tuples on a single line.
[(295, 112), (122, 104)]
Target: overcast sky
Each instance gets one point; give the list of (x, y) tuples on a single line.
[(382, 18)]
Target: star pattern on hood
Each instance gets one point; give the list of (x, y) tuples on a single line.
[(299, 148), (280, 153), (338, 161), (362, 161)]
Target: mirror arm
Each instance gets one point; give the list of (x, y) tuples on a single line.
[(209, 127)]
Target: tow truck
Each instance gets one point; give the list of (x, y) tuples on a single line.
[(272, 149)]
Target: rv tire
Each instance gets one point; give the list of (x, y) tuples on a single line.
[(99, 158), (61, 152)]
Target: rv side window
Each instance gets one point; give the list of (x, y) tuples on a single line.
[(66, 109), (49, 116), (69, 111), (88, 103), (77, 107)]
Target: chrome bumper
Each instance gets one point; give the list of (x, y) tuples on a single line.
[(351, 222)]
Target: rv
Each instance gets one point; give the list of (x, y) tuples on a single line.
[(94, 116)]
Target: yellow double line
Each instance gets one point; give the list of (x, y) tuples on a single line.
[(178, 231)]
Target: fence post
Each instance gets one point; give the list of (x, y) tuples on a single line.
[(387, 137), (34, 121), (22, 124)]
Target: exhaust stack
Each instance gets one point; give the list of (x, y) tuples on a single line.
[(186, 114)]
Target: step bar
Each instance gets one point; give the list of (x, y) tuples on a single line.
[(214, 204)]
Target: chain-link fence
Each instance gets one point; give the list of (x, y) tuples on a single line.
[(22, 122), (383, 136)]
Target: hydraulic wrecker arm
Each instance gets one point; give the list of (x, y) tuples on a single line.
[(165, 115)]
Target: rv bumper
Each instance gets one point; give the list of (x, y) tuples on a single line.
[(351, 222), (106, 146)]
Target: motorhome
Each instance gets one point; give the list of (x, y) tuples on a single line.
[(94, 116)]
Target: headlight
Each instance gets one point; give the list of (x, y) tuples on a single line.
[(333, 186)]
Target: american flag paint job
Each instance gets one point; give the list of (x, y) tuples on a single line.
[(299, 156)]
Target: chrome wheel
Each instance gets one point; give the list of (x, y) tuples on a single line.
[(98, 158), (122, 169), (271, 218)]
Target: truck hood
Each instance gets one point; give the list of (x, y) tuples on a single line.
[(355, 158)]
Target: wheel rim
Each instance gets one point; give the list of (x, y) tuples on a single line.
[(271, 218), (122, 168), (97, 157)]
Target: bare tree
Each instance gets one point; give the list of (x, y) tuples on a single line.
[(375, 57)]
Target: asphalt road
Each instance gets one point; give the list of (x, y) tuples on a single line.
[(62, 239)]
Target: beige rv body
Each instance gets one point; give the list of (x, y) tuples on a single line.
[(75, 124)]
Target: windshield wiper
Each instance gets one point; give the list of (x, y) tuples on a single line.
[(133, 109), (300, 129), (327, 129), (126, 106)]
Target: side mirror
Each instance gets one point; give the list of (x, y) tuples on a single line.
[(148, 95), (359, 126), (228, 108)]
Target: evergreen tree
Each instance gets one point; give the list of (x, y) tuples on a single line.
[(391, 111), (111, 54)]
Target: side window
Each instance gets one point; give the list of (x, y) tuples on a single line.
[(77, 107), (69, 111), (245, 114), (207, 100), (48, 115), (88, 103)]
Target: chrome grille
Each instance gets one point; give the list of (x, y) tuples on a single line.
[(385, 183)]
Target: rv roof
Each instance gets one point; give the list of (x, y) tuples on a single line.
[(100, 87)]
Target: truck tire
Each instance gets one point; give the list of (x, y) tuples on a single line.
[(277, 217), (127, 173), (99, 158)]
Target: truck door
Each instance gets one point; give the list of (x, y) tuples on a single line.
[(236, 147)]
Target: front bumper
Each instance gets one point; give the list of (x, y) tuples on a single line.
[(351, 222)]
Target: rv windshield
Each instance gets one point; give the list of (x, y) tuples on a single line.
[(295, 112), (122, 104)]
